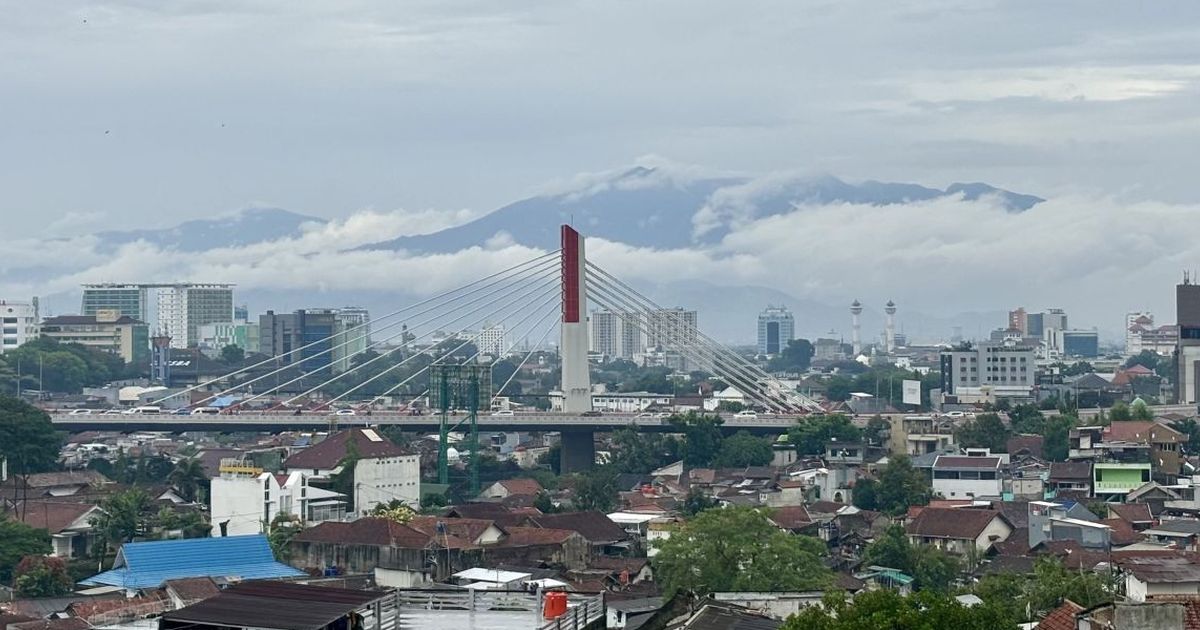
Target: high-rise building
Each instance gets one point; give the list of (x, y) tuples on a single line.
[(1017, 320), (491, 340), (312, 337), (1084, 344), (1008, 365), (127, 299), (776, 327), (630, 334), (353, 336), (18, 323), (1187, 349), (184, 307)]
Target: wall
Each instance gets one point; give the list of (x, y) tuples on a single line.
[(381, 480), (238, 500), (968, 488), (400, 578), (1148, 616), (997, 528)]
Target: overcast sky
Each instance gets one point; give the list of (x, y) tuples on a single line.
[(119, 114)]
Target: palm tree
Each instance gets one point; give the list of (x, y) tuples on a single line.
[(188, 478)]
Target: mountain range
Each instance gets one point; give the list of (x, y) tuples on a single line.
[(641, 207)]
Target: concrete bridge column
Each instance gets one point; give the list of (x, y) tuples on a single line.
[(578, 451)]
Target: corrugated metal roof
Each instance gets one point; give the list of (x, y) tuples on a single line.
[(149, 564)]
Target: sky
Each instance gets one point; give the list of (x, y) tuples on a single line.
[(120, 115)]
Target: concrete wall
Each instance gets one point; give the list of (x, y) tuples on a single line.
[(1148, 616), (381, 480)]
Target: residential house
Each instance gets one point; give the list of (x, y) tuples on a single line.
[(427, 549), (1148, 578), (1180, 534), (961, 531), (68, 522), (246, 500), (147, 565), (1155, 497), (603, 535), (1138, 515), (268, 604), (1065, 521), (919, 435), (1072, 479), (511, 487), (383, 472), (957, 477)]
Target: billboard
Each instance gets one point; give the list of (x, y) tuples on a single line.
[(912, 393)]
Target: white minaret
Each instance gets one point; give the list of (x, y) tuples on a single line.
[(855, 340), (889, 332)]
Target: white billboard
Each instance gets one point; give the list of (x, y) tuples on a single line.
[(912, 393)]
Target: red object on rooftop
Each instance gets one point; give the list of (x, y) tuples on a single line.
[(555, 605)]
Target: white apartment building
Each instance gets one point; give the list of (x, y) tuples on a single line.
[(18, 323), (961, 477), (383, 473), (1007, 366), (183, 308), (491, 340), (245, 499), (635, 335)]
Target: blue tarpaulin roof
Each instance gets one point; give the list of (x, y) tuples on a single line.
[(223, 401), (149, 564)]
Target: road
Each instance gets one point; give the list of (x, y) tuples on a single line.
[(248, 421)]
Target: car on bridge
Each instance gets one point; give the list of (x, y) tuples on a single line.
[(80, 412), (507, 413), (344, 412), (746, 414)]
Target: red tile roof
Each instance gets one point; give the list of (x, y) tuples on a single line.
[(1122, 531), (469, 530), (521, 486), (366, 531), (958, 523), (1140, 432), (52, 516), (1135, 513), (791, 517), (1061, 618), (329, 454), (596, 527), (526, 536)]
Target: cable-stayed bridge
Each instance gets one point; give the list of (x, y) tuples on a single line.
[(363, 367)]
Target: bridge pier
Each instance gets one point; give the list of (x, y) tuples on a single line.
[(578, 451)]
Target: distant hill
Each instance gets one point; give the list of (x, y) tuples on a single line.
[(246, 227), (643, 208)]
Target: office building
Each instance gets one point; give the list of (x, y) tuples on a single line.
[(184, 308), (776, 327), (107, 330), (305, 336), (1141, 334), (1083, 344), (1017, 320), (18, 323), (1005, 368), (1187, 348), (616, 334), (353, 336), (127, 299), (214, 337)]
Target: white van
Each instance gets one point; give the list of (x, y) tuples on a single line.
[(204, 411), (145, 410)]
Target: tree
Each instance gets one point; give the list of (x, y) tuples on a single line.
[(888, 610), (27, 438), (639, 453), (42, 576), (1050, 585), (702, 437), (1027, 419), (1139, 410), (812, 434), (122, 516), (1190, 428), (596, 489), (232, 354), (795, 357), (544, 503), (552, 459), (866, 494), (1056, 438), (18, 540), (985, 431), (280, 532), (342, 481), (743, 449), (189, 479), (395, 510), (839, 388), (697, 502), (738, 549), (932, 569), (901, 486)]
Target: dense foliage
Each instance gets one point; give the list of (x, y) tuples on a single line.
[(888, 610), (18, 540), (931, 569), (27, 438), (42, 576), (738, 549), (811, 435), (899, 486)]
